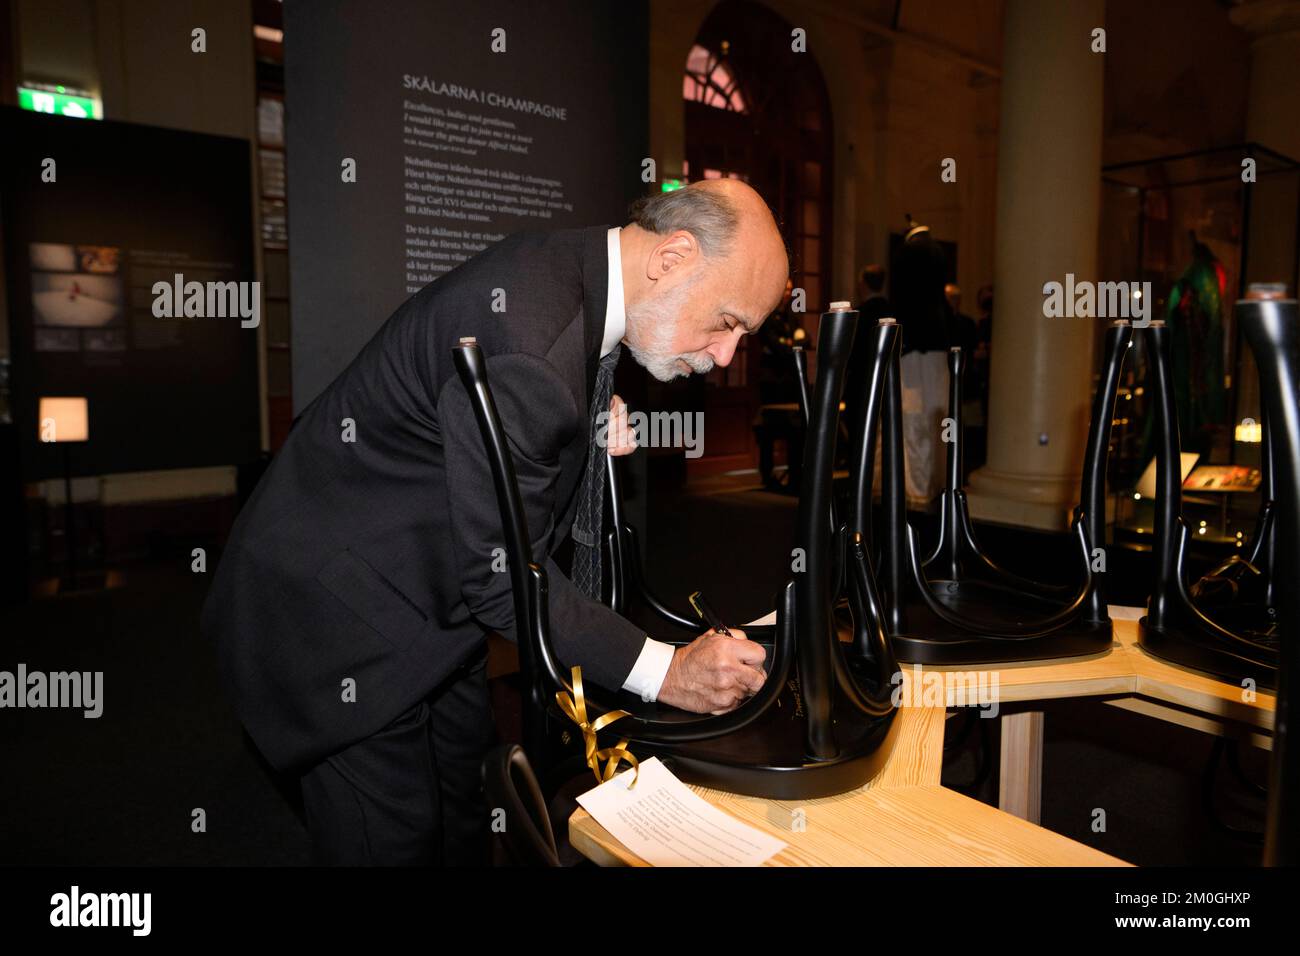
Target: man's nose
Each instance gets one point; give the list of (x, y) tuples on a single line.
[(723, 352)]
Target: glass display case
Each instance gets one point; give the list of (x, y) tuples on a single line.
[(1198, 227)]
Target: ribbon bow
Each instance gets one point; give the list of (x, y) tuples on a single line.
[(575, 708)]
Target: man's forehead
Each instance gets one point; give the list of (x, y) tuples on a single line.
[(752, 314), (758, 282)]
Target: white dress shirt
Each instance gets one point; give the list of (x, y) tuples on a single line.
[(647, 674)]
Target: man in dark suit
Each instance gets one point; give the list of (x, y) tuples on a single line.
[(351, 607)]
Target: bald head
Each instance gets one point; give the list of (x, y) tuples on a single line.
[(758, 255), (722, 214), (702, 266)]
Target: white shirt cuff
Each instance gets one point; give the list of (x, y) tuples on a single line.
[(650, 669)]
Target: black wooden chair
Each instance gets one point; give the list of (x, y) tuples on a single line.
[(957, 605), (818, 726), (510, 787), (628, 581), (1270, 327), (1175, 628)]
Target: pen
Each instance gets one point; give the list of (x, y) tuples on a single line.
[(707, 613)]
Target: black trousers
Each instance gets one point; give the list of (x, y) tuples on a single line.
[(411, 794)]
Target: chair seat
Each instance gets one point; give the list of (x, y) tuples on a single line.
[(766, 758), (982, 600), (1184, 643), (945, 644)]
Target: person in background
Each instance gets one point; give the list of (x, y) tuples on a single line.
[(916, 290), (872, 302), (962, 329)]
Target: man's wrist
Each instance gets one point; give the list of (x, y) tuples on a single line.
[(647, 675)]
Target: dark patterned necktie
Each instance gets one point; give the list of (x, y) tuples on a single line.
[(591, 494)]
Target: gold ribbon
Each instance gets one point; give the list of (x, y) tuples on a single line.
[(575, 708)]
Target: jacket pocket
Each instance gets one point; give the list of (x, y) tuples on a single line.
[(372, 598)]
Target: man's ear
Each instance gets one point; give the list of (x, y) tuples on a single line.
[(677, 249)]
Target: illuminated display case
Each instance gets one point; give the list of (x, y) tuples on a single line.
[(1241, 205)]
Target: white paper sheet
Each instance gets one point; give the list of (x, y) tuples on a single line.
[(662, 821)]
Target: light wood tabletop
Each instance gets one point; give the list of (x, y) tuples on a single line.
[(903, 817), (1127, 669), (885, 826), (1129, 678)]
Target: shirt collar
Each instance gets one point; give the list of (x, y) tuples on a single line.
[(615, 314)]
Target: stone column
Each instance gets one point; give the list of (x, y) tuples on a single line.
[(1048, 207)]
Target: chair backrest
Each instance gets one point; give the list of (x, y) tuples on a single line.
[(1096, 456), (516, 799), (1270, 326), (539, 664), (815, 587), (524, 573)]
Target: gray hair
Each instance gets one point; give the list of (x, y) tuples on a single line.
[(710, 218)]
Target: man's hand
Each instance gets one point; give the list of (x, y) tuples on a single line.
[(714, 673), (620, 439)]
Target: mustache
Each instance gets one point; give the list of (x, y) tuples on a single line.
[(698, 363)]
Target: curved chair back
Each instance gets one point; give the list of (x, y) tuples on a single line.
[(1169, 481), (1170, 597), (868, 609), (775, 760), (623, 551), (541, 668), (1077, 614), (1096, 456), (816, 537), (1270, 326), (510, 786), (839, 534), (472, 368)]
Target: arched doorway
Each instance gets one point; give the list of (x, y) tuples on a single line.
[(757, 110)]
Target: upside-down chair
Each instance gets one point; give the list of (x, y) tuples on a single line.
[(1270, 329), (821, 724), (1175, 628), (956, 605)]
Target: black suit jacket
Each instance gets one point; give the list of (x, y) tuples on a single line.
[(373, 559)]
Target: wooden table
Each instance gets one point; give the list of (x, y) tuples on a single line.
[(1129, 678), (903, 817)]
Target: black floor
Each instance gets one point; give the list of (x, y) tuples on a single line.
[(125, 788)]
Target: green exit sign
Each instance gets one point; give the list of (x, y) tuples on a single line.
[(60, 101), (668, 185)]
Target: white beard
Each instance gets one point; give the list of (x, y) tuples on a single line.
[(656, 319)]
